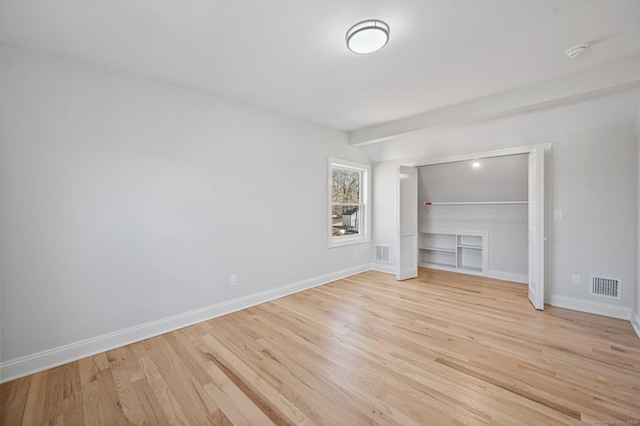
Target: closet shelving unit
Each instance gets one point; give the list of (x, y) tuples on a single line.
[(472, 203), (455, 250), (461, 251)]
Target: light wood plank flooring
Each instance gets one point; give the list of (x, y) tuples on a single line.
[(441, 349)]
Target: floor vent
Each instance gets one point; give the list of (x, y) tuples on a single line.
[(383, 254), (605, 286)]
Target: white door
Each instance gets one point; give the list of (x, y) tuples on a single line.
[(407, 222), (536, 227)]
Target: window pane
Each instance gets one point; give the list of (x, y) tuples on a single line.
[(345, 220), (345, 186)]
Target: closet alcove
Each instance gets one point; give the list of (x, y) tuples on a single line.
[(473, 217)]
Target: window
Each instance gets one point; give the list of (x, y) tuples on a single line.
[(348, 196)]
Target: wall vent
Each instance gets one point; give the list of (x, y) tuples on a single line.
[(383, 254), (605, 286)]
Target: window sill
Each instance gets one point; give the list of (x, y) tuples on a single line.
[(347, 241)]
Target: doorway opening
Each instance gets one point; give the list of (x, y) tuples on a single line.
[(464, 248)]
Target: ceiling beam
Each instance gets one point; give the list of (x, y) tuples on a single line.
[(592, 82)]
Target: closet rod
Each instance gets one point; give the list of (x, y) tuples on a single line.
[(468, 203)]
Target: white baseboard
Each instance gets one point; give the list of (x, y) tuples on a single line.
[(600, 308), (382, 267), (30, 364), (451, 269), (508, 276), (635, 322)]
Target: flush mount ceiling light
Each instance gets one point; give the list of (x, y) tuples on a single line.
[(576, 50), (367, 36), (475, 164)]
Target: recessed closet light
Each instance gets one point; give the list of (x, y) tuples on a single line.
[(475, 164), (367, 36)]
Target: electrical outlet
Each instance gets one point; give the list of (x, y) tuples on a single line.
[(355, 253), (575, 279), (557, 215), (234, 280)]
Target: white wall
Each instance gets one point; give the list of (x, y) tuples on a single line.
[(594, 184), (591, 177), (125, 201)]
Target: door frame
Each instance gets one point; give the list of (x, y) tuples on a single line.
[(546, 149)]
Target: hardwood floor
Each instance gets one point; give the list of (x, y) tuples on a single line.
[(441, 349)]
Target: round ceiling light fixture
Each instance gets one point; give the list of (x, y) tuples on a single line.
[(367, 36), (576, 50)]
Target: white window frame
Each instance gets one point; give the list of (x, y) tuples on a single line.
[(364, 233)]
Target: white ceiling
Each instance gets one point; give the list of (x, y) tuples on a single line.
[(290, 55)]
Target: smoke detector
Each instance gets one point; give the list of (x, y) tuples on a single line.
[(576, 50)]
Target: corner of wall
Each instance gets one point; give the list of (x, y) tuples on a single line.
[(635, 322), (383, 267)]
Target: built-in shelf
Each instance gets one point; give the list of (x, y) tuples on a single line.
[(462, 251), (438, 249), (471, 203)]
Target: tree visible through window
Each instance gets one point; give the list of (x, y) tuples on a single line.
[(348, 209), (346, 200), (346, 203)]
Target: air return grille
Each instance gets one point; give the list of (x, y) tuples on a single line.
[(605, 286), (383, 254)]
